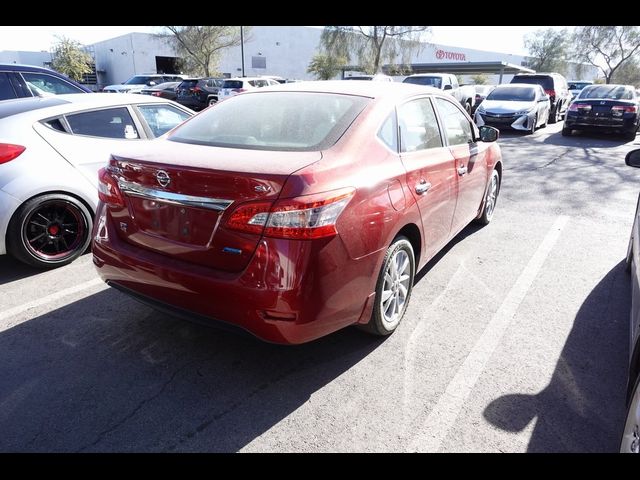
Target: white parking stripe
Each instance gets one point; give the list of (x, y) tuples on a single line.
[(44, 300), (443, 415)]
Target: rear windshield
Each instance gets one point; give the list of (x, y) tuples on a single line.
[(188, 84), (614, 92), (578, 85), (290, 121), (545, 82), (232, 84), (428, 81), (142, 80), (516, 94)]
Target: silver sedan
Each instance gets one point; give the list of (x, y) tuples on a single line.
[(50, 152), (517, 105)]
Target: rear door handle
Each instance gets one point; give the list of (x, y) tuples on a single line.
[(423, 187), (462, 170)]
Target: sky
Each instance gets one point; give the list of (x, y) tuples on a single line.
[(506, 39)]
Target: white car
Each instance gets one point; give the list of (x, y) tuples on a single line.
[(234, 86), (136, 83), (50, 152), (520, 106)]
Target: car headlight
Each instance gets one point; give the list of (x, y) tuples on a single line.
[(524, 112), (480, 109)]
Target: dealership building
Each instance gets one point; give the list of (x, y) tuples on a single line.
[(284, 51)]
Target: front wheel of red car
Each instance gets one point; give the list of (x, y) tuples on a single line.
[(393, 289), (490, 199)]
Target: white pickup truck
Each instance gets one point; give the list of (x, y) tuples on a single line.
[(448, 83)]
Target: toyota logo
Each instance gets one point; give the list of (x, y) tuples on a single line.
[(440, 54), (163, 178)]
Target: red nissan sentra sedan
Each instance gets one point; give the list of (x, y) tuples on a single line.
[(297, 210)]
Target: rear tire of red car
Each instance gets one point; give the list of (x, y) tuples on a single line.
[(393, 289), (49, 231), (490, 199)]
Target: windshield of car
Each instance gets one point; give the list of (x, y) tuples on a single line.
[(428, 81), (578, 85), (515, 94), (292, 121), (545, 82), (142, 80), (614, 92)]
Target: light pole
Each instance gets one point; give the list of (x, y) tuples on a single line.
[(242, 48)]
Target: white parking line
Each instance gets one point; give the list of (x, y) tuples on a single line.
[(44, 300), (443, 415)]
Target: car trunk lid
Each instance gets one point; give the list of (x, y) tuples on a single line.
[(178, 198)]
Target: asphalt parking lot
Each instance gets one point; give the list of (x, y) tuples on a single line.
[(516, 339)]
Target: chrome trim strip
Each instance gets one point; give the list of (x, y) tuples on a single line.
[(135, 190)]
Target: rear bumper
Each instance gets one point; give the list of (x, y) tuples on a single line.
[(192, 103), (8, 205), (601, 123), (291, 291)]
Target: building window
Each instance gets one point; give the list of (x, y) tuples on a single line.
[(258, 62)]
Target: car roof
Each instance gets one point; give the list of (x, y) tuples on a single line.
[(25, 68), (363, 89), (42, 107)]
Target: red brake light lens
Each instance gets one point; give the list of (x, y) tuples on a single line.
[(304, 218), (551, 93), (9, 151), (574, 107), (108, 190), (624, 109)]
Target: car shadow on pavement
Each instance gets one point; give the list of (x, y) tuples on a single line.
[(130, 379), (11, 269), (583, 407)]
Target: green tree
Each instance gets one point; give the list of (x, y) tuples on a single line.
[(325, 67), (629, 73), (480, 79), (371, 46), (68, 57), (202, 46), (607, 47), (548, 49)]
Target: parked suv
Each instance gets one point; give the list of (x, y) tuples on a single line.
[(554, 85), (198, 93), (234, 86), (136, 83), (17, 81)]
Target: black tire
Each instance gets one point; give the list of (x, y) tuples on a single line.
[(49, 231), (468, 108), (380, 324), (489, 203), (553, 114), (630, 136), (532, 130), (212, 101), (566, 132), (629, 442)]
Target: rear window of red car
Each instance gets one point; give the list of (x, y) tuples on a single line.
[(289, 121)]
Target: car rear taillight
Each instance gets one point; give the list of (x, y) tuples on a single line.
[(620, 109), (304, 218), (108, 190), (197, 89), (238, 90), (9, 151), (551, 93), (574, 107), (156, 94)]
